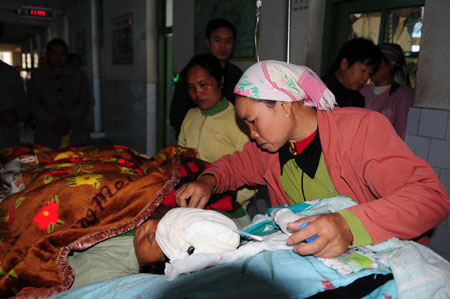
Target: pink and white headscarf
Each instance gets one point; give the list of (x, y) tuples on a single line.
[(281, 81)]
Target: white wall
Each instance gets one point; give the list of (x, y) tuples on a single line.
[(315, 35), (127, 72), (433, 88), (272, 37), (80, 20), (56, 27), (79, 16), (183, 33), (299, 31), (129, 91)]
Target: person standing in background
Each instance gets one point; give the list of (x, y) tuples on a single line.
[(357, 59), (13, 103), (391, 93), (60, 100), (212, 128), (220, 37)]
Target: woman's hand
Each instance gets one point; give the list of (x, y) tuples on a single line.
[(196, 194), (334, 235)]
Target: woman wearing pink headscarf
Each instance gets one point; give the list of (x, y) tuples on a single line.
[(304, 148)]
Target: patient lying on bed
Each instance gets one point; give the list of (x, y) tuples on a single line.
[(180, 233)]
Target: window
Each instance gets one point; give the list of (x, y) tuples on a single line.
[(401, 26), (6, 57), (382, 21)]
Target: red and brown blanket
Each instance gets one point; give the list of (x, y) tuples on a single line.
[(71, 199)]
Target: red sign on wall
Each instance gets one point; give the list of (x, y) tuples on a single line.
[(39, 12)]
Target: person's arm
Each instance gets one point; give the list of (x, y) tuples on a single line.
[(410, 198), (403, 101), (228, 173), (246, 167)]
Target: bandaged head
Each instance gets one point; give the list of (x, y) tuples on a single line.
[(185, 231), (281, 81)]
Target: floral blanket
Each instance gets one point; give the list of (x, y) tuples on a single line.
[(70, 199)]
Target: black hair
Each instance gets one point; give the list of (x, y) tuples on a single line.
[(57, 42), (217, 23), (155, 267), (268, 103), (210, 63), (359, 50)]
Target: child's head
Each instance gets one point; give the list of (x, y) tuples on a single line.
[(185, 231), (148, 252), (145, 246), (182, 232)]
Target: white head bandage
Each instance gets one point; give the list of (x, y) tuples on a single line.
[(185, 231)]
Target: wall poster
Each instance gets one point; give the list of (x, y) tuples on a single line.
[(122, 39)]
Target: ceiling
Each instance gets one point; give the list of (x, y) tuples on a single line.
[(17, 29)]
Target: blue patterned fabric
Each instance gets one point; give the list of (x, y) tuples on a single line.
[(277, 274), (269, 274)]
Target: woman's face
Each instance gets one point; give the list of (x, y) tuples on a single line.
[(145, 246), (384, 75), (268, 125), (203, 88), (354, 77)]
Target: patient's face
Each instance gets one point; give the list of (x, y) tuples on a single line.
[(145, 246)]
